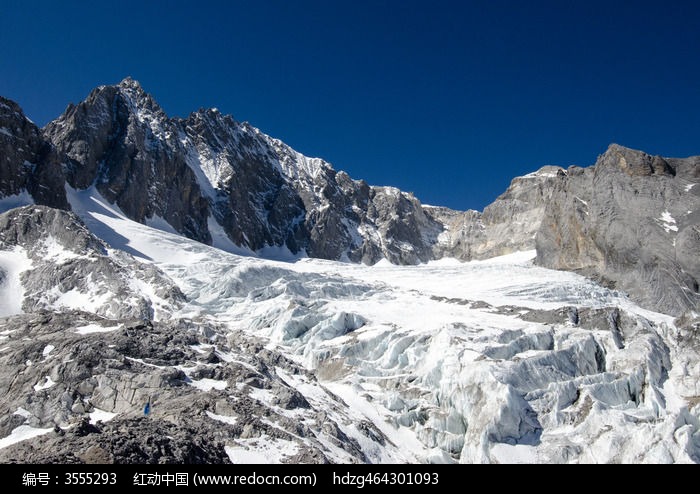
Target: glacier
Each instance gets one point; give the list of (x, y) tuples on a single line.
[(493, 361)]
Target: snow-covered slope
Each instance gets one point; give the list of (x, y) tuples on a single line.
[(487, 361)]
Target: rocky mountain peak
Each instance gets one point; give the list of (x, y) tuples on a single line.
[(129, 83), (632, 162), (133, 89), (143, 106)]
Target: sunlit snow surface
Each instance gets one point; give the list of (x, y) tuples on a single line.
[(22, 433), (439, 357), (12, 264)]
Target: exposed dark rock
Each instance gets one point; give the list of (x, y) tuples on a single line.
[(132, 363), (27, 161)]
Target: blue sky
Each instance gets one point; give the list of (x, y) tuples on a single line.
[(448, 99)]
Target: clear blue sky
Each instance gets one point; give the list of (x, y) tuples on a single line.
[(448, 99)]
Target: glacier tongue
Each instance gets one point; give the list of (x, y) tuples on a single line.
[(488, 361)]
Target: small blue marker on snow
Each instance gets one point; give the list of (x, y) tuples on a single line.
[(147, 408)]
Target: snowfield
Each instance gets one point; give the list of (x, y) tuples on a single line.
[(491, 361)]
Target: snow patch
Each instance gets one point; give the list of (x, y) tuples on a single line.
[(98, 415), (263, 395), (54, 251), (222, 418), (262, 450), (46, 384), (96, 328), (23, 413), (516, 453), (12, 264), (47, 350), (207, 384), (90, 301), (669, 222), (22, 433)]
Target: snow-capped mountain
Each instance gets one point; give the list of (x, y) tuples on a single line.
[(136, 266)]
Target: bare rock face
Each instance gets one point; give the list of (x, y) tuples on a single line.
[(507, 225), (264, 193), (634, 163), (630, 221), (210, 168), (27, 162)]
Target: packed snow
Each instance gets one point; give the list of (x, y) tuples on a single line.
[(222, 418), (668, 222), (23, 413), (261, 450), (45, 383), (207, 384), (54, 251), (98, 415)]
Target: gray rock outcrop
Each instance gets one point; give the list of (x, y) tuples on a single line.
[(210, 168), (118, 139), (208, 390), (71, 268), (507, 225), (631, 221)]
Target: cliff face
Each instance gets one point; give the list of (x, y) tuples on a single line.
[(632, 221), (508, 225), (28, 164)]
